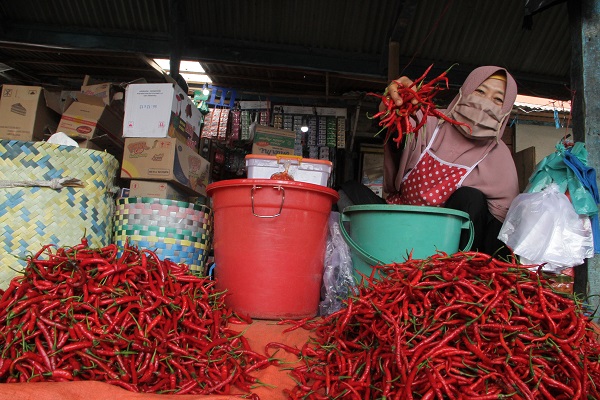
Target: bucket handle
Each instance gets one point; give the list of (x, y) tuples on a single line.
[(374, 261), (362, 254), (280, 188), (471, 234)]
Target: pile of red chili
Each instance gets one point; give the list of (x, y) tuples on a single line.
[(417, 102), (465, 326), (132, 320)]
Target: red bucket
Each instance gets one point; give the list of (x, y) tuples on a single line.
[(269, 244)]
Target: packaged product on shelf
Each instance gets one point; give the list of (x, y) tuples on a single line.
[(278, 120), (288, 122), (331, 132), (215, 124), (209, 130), (223, 124), (245, 125), (296, 122), (264, 117), (341, 132), (324, 153), (235, 124), (322, 132)]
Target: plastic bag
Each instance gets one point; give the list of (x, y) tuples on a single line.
[(567, 167), (559, 168), (543, 228), (337, 275)]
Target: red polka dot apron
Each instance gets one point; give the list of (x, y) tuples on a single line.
[(431, 181)]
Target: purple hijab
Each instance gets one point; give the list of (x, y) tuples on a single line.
[(495, 175)]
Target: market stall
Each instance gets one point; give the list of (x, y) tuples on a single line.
[(130, 309), (445, 326)]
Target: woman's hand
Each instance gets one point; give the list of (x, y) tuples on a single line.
[(392, 91)]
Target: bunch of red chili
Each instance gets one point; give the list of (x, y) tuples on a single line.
[(465, 326), (417, 102), (132, 320)]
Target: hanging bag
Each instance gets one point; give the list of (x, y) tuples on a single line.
[(543, 228)]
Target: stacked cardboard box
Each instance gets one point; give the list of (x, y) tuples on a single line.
[(162, 135), (156, 189), (271, 141), (28, 113), (94, 117)]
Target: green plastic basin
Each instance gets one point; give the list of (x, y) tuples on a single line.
[(379, 234)]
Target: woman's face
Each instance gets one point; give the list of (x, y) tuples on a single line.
[(492, 89)]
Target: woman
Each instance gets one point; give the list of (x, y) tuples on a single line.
[(452, 166)]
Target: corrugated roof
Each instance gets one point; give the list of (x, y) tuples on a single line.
[(325, 48)]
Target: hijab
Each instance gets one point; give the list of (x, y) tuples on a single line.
[(495, 175)]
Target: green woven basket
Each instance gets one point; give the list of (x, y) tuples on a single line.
[(33, 216), (177, 230)]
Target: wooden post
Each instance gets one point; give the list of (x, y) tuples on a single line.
[(393, 60)]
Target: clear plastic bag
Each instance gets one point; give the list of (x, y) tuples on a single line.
[(337, 275), (543, 228)]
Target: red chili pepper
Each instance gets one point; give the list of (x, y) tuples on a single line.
[(474, 324), (60, 315), (397, 119), (60, 374)]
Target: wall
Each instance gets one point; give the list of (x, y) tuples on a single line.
[(542, 137)]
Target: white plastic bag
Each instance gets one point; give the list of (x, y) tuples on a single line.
[(337, 274), (543, 228)]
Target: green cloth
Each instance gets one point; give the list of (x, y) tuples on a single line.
[(552, 169)]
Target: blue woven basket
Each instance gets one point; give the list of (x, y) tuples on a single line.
[(33, 216)]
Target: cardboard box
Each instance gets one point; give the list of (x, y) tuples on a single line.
[(161, 110), (271, 141), (104, 142), (28, 113), (165, 159), (88, 117), (156, 189), (108, 92)]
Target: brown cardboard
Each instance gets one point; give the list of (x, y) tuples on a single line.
[(165, 159), (108, 92), (104, 142), (161, 110), (26, 113), (87, 117), (156, 189), (270, 141)]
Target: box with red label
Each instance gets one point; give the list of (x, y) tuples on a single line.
[(165, 159), (161, 110), (88, 117)]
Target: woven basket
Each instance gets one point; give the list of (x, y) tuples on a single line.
[(31, 217), (177, 230)]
